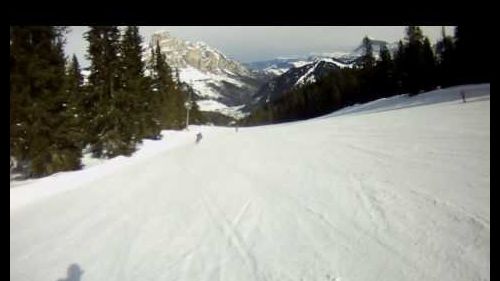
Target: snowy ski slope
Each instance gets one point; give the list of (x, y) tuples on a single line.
[(397, 189)]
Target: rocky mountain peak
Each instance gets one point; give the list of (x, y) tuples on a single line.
[(181, 54)]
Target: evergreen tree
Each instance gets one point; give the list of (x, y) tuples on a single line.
[(75, 90), (162, 86), (400, 74), (414, 35), (429, 70), (367, 71), (446, 60), (384, 74), (417, 62), (171, 96), (75, 77), (109, 129), (40, 115), (138, 107), (367, 60), (412, 63)]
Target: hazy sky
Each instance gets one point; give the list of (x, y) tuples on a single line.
[(254, 43)]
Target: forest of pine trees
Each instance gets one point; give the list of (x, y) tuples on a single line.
[(415, 67), (55, 116)]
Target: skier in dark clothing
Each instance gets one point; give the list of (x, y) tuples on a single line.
[(198, 137), (463, 96)]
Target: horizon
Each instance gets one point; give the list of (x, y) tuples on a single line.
[(262, 43)]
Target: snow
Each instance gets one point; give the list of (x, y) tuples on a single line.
[(334, 54), (210, 105), (200, 81), (403, 101), (339, 64), (275, 71), (300, 63), (307, 77), (85, 74), (398, 189), (215, 106)]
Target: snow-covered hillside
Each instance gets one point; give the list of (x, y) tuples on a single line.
[(295, 77), (215, 78), (398, 189), (279, 66)]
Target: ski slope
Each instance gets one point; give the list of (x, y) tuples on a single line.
[(395, 190)]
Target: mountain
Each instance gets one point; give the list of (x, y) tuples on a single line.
[(278, 66), (221, 85), (294, 77), (296, 71), (224, 86)]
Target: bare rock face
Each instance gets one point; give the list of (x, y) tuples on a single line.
[(180, 54)]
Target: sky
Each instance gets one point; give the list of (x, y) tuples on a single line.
[(255, 43)]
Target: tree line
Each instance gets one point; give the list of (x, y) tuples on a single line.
[(415, 66), (55, 115)]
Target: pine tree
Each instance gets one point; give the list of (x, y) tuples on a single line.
[(111, 132), (76, 95), (400, 74), (139, 106), (428, 72), (171, 96), (384, 73), (413, 61), (75, 77), (446, 60), (367, 60), (40, 115), (367, 71)]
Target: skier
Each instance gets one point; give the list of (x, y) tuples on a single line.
[(463, 96), (198, 137)]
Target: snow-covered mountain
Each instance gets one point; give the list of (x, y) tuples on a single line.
[(183, 54), (221, 84), (278, 66), (307, 72), (296, 71), (397, 189)]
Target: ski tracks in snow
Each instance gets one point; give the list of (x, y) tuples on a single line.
[(369, 203), (231, 233)]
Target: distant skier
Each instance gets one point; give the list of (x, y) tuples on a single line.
[(463, 96), (198, 137)]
